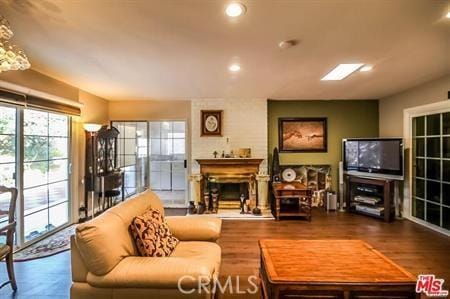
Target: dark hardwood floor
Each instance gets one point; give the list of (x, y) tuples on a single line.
[(416, 248)]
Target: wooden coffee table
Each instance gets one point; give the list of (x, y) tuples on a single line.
[(330, 269)]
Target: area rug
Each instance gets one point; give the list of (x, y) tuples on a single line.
[(234, 214), (53, 244)]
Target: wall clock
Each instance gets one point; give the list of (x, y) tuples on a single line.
[(211, 122)]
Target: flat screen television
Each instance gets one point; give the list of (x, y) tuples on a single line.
[(374, 156)]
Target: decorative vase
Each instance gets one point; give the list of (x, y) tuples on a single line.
[(206, 199), (192, 209), (215, 200), (256, 211), (242, 200)]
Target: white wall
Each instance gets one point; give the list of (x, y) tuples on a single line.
[(391, 108), (394, 120), (244, 123)]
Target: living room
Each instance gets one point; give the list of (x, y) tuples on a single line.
[(224, 149)]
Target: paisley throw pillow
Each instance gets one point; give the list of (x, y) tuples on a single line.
[(152, 235)]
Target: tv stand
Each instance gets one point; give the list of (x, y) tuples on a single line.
[(370, 196)]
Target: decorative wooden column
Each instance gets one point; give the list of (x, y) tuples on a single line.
[(263, 200), (195, 180)]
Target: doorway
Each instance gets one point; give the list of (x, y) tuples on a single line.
[(168, 164), (153, 154)]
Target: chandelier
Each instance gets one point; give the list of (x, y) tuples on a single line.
[(12, 58)]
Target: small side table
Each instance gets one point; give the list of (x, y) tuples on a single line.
[(292, 191)]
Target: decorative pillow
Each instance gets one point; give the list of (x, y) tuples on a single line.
[(152, 235)]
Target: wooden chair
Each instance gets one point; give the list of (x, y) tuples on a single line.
[(6, 250)]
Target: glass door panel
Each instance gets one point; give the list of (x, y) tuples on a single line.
[(167, 156), (46, 172), (157, 148), (132, 155), (7, 158), (431, 169)]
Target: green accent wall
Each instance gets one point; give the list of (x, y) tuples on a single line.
[(345, 119)]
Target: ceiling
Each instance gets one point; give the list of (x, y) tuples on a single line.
[(181, 49)]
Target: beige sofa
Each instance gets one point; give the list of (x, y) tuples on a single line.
[(105, 262)]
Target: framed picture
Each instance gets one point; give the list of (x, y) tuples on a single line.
[(211, 123), (302, 134)]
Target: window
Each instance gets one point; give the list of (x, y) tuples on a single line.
[(43, 154), (431, 169)]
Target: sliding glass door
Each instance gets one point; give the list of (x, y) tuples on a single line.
[(431, 169), (8, 165), (45, 172), (34, 158)]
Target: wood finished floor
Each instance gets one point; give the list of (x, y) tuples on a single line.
[(416, 248)]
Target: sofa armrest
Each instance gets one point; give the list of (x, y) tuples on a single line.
[(79, 270), (195, 228), (155, 272)]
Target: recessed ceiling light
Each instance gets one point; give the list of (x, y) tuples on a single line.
[(448, 15), (234, 68), (366, 68), (286, 44), (342, 71), (235, 9)]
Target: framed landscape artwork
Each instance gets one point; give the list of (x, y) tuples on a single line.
[(302, 134), (211, 123)]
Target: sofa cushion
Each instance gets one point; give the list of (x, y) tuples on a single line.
[(152, 235), (104, 241), (198, 250), (137, 205), (191, 261), (195, 228)]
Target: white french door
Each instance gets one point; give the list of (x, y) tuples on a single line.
[(431, 169), (132, 154), (153, 153), (427, 131)]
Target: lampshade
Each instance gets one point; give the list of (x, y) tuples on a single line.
[(92, 127)]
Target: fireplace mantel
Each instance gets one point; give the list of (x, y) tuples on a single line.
[(229, 161), (230, 166)]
